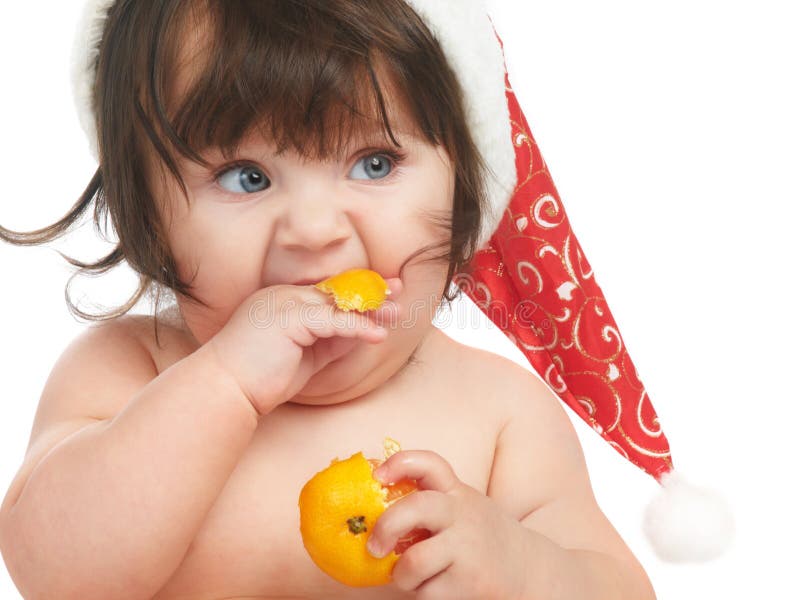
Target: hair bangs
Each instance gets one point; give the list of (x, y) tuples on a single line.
[(230, 73)]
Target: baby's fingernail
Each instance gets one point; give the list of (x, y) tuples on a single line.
[(374, 548), (395, 285), (380, 474)]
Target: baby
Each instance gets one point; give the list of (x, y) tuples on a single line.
[(248, 149)]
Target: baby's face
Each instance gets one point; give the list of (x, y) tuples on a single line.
[(265, 220)]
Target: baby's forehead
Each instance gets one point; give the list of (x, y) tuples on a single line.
[(224, 95), (260, 142), (197, 49)]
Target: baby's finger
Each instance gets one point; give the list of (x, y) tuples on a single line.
[(429, 469), (388, 313), (330, 322), (425, 509), (422, 567), (396, 285)]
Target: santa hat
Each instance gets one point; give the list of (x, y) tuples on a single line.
[(530, 276)]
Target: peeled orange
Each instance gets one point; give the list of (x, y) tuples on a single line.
[(359, 289), (338, 510)]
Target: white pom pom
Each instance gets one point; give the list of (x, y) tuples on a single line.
[(686, 523)]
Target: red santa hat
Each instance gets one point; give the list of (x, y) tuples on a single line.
[(530, 276)]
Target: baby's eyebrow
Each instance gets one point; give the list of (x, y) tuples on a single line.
[(216, 157), (375, 140)]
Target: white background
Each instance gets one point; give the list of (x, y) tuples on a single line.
[(671, 134)]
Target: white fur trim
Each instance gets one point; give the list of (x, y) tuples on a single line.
[(85, 50), (465, 33), (686, 523)]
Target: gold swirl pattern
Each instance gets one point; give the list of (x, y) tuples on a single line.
[(554, 380), (568, 263), (647, 431), (487, 295), (565, 317), (565, 328), (632, 379), (552, 210), (523, 142), (586, 330), (524, 264), (641, 449), (581, 261), (547, 248), (591, 384), (589, 406), (537, 347)]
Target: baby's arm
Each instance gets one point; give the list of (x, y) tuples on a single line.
[(109, 510), (539, 476)]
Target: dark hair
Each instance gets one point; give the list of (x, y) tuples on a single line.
[(298, 70)]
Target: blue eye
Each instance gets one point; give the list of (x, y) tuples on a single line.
[(376, 166), (243, 180)]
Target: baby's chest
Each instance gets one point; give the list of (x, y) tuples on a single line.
[(249, 544)]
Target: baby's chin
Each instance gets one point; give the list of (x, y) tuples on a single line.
[(341, 380), (354, 376)]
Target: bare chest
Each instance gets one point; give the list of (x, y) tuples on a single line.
[(249, 545)]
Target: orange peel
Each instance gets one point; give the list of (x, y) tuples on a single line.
[(338, 510), (356, 289)]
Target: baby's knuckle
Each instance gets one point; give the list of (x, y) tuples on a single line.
[(313, 316), (406, 574), (420, 498)]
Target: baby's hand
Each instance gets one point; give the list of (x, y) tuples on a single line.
[(477, 551), (283, 334)]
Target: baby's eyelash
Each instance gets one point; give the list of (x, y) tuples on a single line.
[(397, 157), (230, 166)]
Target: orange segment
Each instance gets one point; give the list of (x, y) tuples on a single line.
[(356, 289), (338, 510)]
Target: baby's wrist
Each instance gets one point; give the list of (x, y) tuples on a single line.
[(214, 367)]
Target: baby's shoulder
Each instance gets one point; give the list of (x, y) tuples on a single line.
[(164, 336), (493, 380), (97, 372)]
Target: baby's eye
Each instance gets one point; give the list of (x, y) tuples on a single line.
[(243, 180), (376, 166)]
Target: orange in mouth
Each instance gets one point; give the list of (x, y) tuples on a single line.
[(356, 289)]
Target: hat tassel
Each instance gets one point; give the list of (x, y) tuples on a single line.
[(685, 523)]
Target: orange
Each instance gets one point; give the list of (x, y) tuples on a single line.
[(359, 289), (338, 510)]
